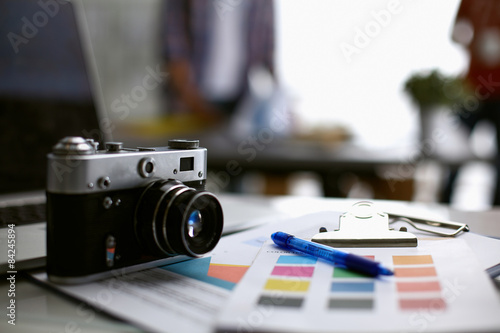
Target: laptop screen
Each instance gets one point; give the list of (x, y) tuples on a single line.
[(45, 91)]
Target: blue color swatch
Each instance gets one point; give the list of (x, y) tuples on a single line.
[(296, 259), (198, 269), (365, 287)]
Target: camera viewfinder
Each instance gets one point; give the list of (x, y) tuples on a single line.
[(187, 164)]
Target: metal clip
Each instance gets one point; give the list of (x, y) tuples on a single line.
[(458, 227), (364, 226)]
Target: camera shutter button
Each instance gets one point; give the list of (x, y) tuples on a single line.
[(183, 144)]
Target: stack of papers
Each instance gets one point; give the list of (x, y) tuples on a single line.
[(247, 284)]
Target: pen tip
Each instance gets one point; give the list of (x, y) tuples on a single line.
[(385, 271)]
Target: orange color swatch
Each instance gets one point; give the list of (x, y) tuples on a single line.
[(412, 260), (423, 303), (231, 273), (418, 286), (415, 271)]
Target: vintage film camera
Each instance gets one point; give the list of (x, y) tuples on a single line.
[(119, 210)]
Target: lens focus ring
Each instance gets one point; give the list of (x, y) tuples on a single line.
[(173, 219)]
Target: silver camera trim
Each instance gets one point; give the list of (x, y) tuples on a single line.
[(83, 174)]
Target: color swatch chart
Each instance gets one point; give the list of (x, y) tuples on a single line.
[(430, 290), (351, 290), (417, 283), (415, 278), (202, 269), (289, 281), (291, 277)]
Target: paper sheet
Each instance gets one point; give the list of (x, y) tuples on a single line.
[(186, 297), (438, 286), (189, 296)]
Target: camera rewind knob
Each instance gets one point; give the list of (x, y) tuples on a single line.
[(113, 147), (74, 145)]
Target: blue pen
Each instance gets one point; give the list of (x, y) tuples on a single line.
[(350, 261)]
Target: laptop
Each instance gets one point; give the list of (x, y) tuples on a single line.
[(48, 90)]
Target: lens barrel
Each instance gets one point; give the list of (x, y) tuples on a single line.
[(173, 219)]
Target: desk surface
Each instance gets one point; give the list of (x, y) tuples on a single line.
[(42, 310)]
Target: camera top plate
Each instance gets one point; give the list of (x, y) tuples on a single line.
[(76, 166)]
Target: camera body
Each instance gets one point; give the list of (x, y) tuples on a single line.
[(118, 210)]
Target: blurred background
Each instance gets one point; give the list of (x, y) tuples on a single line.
[(364, 92), (342, 66), (367, 93)]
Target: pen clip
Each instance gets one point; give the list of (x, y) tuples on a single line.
[(413, 221)]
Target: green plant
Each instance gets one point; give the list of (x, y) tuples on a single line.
[(432, 89)]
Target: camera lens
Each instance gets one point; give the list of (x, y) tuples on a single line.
[(172, 219), (195, 223)]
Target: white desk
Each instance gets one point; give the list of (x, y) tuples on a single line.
[(42, 310)]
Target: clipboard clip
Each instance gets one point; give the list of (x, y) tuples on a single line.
[(364, 226), (413, 221)]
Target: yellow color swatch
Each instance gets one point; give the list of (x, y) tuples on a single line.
[(287, 285)]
